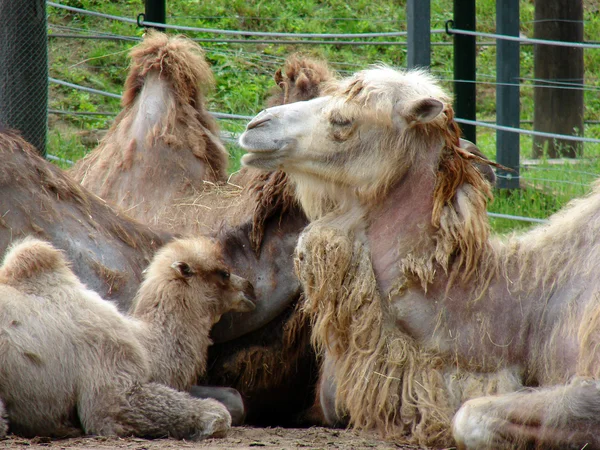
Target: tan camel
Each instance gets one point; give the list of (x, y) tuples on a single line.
[(72, 364), (163, 129), (422, 316)]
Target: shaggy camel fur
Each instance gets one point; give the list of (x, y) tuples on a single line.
[(71, 363), (300, 80), (419, 313), (163, 129)]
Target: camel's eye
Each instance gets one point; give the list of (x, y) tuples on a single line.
[(338, 120), (224, 274), (341, 127)]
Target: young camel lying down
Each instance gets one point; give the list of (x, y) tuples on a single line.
[(70, 363)]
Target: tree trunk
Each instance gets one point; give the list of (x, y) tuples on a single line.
[(558, 107)]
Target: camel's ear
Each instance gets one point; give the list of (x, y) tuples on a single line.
[(423, 110), (183, 269)]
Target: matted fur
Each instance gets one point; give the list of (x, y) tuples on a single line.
[(385, 380), (162, 130)]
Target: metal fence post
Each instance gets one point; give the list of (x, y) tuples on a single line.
[(418, 17), (24, 69), (507, 93), (464, 66), (156, 11)]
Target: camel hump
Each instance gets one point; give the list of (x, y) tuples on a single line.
[(177, 59), (301, 79), (29, 258)]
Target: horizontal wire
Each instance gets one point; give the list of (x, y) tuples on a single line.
[(520, 218), (523, 40), (545, 180), (83, 88), (529, 132), (235, 32)]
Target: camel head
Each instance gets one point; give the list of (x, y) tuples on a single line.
[(190, 274), (356, 140)]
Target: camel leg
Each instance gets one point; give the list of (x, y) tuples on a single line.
[(153, 410), (327, 391), (229, 397), (562, 417)]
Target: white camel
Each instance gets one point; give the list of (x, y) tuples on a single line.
[(431, 329)]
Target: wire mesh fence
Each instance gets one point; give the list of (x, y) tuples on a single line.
[(23, 69)]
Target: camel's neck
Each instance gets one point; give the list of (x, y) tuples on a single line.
[(401, 223), (176, 338)]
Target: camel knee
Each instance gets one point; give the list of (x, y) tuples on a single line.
[(229, 397), (471, 425)]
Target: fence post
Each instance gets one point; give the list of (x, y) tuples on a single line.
[(507, 92), (558, 103), (156, 11), (418, 17), (24, 69), (464, 66)]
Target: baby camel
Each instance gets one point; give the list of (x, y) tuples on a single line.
[(70, 363), (186, 289)]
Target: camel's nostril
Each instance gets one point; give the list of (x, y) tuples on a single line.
[(258, 121)]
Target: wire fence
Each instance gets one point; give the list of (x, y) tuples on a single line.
[(267, 62)]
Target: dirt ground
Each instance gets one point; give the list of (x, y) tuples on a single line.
[(239, 438)]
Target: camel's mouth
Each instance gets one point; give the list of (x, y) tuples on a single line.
[(265, 158), (256, 158)]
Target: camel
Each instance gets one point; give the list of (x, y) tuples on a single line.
[(431, 329), (163, 129), (72, 363)]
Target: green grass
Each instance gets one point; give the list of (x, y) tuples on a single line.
[(244, 75)]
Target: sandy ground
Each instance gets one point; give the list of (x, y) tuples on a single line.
[(239, 438)]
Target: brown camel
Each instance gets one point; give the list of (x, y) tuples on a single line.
[(164, 145), (431, 329), (72, 363)]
